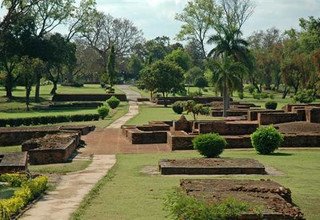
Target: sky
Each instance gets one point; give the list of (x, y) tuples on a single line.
[(156, 17)]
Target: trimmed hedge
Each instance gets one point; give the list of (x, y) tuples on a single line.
[(113, 102), (28, 191), (271, 105), (43, 120)]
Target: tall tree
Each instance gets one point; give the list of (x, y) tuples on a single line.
[(181, 58), (226, 76), (198, 18)]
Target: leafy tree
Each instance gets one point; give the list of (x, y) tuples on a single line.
[(201, 83), (27, 67), (147, 80), (134, 66), (198, 18), (226, 76), (163, 77), (179, 57)]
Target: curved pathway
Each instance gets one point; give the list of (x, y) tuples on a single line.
[(73, 187)]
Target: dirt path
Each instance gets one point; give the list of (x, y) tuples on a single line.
[(73, 187)]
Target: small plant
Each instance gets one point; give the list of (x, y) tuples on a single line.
[(264, 95), (271, 96), (209, 145), (266, 140), (271, 105), (103, 111), (177, 107), (113, 102), (305, 96)]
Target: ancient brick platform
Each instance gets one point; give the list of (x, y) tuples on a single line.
[(313, 114), (16, 136), (13, 162), (54, 148), (252, 115), (211, 166), (277, 117), (275, 199)]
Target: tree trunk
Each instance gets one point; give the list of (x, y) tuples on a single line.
[(165, 100), (54, 88), (37, 92), (28, 90), (225, 99), (285, 92), (9, 85)]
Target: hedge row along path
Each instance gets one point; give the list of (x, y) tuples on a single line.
[(73, 187)]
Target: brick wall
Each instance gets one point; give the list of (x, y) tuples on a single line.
[(276, 118), (86, 97)]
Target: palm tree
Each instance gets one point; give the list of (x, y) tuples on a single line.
[(227, 42), (226, 76)]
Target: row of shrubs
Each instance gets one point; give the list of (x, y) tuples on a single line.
[(190, 106), (44, 120), (265, 140), (113, 102), (28, 190)]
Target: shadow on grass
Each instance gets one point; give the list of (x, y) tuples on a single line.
[(280, 154)]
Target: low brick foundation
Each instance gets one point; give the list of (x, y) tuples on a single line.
[(252, 115), (13, 162), (137, 136), (180, 140), (288, 108), (201, 100), (16, 136), (313, 115), (86, 97), (276, 118), (210, 166), (228, 128), (57, 148), (230, 112)]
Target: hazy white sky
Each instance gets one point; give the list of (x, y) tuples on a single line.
[(156, 17)]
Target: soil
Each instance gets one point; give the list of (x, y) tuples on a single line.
[(273, 199), (207, 166), (298, 127)]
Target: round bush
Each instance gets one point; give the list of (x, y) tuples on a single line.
[(266, 140), (209, 145), (271, 105), (177, 107), (113, 102), (103, 111)]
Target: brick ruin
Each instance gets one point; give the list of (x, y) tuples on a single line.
[(41, 145), (52, 148), (13, 162), (236, 130)]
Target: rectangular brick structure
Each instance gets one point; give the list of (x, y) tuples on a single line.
[(252, 115), (137, 136), (86, 97), (211, 166), (228, 127), (54, 148), (313, 114), (13, 162), (276, 118)]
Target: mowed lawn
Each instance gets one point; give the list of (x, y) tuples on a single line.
[(159, 113), (18, 103), (128, 193)]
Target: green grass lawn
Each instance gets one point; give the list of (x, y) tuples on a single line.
[(158, 113), (126, 193), (19, 95)]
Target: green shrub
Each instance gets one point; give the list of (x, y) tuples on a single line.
[(251, 88), (103, 111), (209, 145), (30, 189), (182, 206), (113, 102), (266, 140), (305, 96), (271, 96), (177, 107), (271, 105), (264, 95), (256, 95)]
